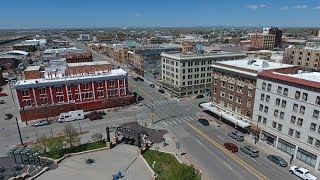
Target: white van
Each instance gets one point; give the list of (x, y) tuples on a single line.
[(71, 116)]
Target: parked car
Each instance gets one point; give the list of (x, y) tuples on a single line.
[(3, 94), (250, 150), (95, 116), (236, 135), (302, 173), (2, 102), (161, 91), (231, 147), (278, 160), (42, 123), (141, 79), (71, 116), (204, 122), (7, 116), (152, 85), (135, 78), (199, 96)]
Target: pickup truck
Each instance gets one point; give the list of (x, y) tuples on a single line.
[(302, 173)]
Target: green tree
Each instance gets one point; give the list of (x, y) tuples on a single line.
[(71, 135), (54, 144)]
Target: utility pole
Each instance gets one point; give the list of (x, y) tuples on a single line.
[(19, 131), (152, 116)]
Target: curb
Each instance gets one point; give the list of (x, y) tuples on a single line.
[(154, 174)]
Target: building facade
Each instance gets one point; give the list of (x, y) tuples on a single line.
[(287, 109), (48, 97), (307, 58), (78, 57), (190, 73), (234, 85), (262, 41)]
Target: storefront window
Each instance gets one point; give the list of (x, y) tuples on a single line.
[(306, 157), (285, 146)]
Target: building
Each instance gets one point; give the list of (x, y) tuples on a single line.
[(287, 109), (48, 97), (234, 85), (190, 73), (77, 57), (262, 41), (25, 47), (53, 54), (84, 37), (308, 58), (278, 35), (87, 68)]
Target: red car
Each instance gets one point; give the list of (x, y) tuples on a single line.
[(95, 116), (231, 147), (3, 94)]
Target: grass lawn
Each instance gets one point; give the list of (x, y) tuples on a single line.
[(75, 149), (168, 167)]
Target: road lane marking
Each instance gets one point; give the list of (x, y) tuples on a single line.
[(242, 163), (143, 91), (220, 137), (199, 142), (227, 165)]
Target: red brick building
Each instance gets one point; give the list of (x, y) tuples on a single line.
[(44, 98), (78, 57)]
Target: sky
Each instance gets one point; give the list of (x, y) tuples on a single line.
[(18, 14)]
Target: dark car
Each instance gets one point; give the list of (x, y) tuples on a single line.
[(204, 122), (231, 147), (2, 102), (42, 123), (3, 94), (141, 79), (152, 85), (199, 96), (278, 160), (136, 78), (95, 116), (7, 116), (161, 91)]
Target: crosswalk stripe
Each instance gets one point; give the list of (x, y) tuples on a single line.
[(170, 123), (179, 120), (165, 123), (174, 122)]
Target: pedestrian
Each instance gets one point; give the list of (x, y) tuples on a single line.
[(291, 159)]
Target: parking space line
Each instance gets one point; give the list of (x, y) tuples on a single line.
[(227, 165)]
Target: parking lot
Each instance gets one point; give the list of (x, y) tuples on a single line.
[(122, 158)]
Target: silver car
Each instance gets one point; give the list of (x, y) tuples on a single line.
[(250, 150)]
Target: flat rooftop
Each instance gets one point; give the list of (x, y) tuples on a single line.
[(194, 56), (310, 76), (253, 64), (88, 63), (32, 68)]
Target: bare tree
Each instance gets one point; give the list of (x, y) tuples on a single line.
[(96, 137), (71, 135)]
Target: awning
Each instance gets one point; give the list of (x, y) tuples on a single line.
[(254, 128), (217, 110)]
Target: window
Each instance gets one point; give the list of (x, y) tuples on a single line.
[(310, 140), (231, 87), (260, 107), (259, 118), (279, 127), (279, 91), (215, 81), (274, 124), (264, 120), (281, 115), (44, 100), (315, 114), (250, 92), (183, 71), (305, 96), (70, 97), (222, 93), (85, 86), (269, 87), (317, 144), (290, 132), (295, 107), (58, 89), (238, 109), (239, 99), (297, 134), (297, 95), (318, 100), (284, 103), (266, 108), (262, 97), (248, 104), (300, 121), (42, 90), (60, 98), (277, 102), (267, 98), (223, 84), (230, 97), (313, 126), (285, 91), (263, 86), (302, 109), (275, 113), (25, 92), (100, 84), (239, 89), (293, 119), (75, 87), (77, 96)]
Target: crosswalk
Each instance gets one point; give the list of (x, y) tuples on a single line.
[(160, 102), (179, 120)]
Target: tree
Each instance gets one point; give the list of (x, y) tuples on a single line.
[(96, 137), (54, 144), (42, 143), (71, 135)]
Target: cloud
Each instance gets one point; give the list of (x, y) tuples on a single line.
[(284, 8), (138, 14), (317, 8), (256, 6), (300, 7)]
